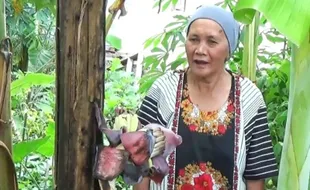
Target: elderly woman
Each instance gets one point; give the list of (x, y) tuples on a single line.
[(220, 115)]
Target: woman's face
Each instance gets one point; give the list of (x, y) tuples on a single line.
[(206, 47)]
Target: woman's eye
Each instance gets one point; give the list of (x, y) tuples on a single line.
[(213, 42)]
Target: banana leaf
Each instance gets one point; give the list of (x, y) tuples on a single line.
[(292, 19), (295, 159), (8, 179)]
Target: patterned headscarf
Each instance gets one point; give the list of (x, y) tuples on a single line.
[(224, 18)]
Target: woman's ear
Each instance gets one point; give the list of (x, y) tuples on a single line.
[(226, 59)]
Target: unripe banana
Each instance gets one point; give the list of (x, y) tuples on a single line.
[(160, 141), (128, 119), (159, 148), (158, 133), (150, 163), (159, 145), (134, 121), (120, 122), (160, 138)]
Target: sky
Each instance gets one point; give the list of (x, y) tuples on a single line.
[(142, 21)]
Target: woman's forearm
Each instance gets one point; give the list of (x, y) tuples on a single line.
[(255, 185), (144, 185)]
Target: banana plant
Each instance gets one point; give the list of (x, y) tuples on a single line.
[(118, 5), (250, 49), (292, 19), (8, 180)]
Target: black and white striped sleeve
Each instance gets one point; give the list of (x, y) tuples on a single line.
[(148, 111), (260, 161)]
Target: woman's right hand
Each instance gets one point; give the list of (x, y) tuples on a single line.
[(144, 185)]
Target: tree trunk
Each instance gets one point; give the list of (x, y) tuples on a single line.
[(80, 83)]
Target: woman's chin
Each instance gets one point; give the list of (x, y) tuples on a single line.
[(199, 72)]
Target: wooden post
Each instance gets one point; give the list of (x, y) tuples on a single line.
[(80, 83)]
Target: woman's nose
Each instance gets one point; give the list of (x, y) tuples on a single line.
[(202, 49)]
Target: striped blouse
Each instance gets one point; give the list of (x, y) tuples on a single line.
[(255, 157)]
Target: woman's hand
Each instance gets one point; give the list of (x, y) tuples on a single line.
[(144, 185), (255, 185)]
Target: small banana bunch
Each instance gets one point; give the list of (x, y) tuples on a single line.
[(128, 120), (131, 122), (159, 148), (160, 140)]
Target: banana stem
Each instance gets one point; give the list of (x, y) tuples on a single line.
[(295, 158), (109, 21), (250, 49), (118, 5)]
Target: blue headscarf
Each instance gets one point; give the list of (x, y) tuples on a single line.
[(224, 18)]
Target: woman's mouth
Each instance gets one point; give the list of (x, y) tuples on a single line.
[(201, 62)]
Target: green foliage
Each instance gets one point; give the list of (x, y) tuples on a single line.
[(33, 112), (164, 4), (294, 24), (274, 84), (114, 41), (162, 46), (43, 146), (121, 89), (32, 33), (30, 79), (42, 4), (31, 28)]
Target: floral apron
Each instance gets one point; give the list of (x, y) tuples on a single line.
[(206, 158)]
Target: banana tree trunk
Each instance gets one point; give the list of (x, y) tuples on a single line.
[(80, 82), (8, 179), (295, 159)]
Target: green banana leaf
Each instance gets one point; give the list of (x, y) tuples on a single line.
[(290, 17), (8, 179)]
